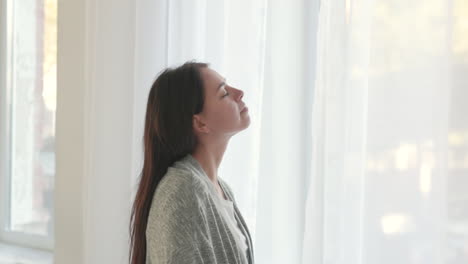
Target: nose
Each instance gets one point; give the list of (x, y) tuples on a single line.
[(241, 94)]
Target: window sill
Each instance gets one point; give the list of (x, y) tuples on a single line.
[(12, 254)]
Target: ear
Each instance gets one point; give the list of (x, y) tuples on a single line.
[(199, 125)]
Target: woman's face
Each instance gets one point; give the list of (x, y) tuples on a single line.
[(221, 114)]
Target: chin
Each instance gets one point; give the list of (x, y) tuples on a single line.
[(247, 124)]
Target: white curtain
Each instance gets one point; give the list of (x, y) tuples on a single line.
[(390, 134), (261, 47)]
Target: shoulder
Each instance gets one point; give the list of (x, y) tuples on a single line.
[(177, 188), (174, 218), (175, 203)]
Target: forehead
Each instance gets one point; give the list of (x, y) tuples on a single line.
[(211, 79)]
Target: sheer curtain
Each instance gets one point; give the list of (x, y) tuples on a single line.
[(260, 46), (390, 134)]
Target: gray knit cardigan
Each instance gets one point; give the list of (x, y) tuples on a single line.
[(185, 225)]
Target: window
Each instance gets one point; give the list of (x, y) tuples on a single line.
[(27, 128)]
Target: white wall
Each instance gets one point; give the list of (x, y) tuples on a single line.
[(69, 182), (94, 130)]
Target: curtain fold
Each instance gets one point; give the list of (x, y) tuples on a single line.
[(390, 133)]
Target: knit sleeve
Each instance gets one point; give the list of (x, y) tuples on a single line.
[(174, 232)]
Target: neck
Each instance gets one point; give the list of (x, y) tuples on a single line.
[(210, 156)]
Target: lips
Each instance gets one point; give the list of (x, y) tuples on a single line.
[(245, 108)]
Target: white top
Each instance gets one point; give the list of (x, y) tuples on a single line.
[(240, 238)]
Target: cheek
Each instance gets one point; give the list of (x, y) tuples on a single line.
[(224, 118)]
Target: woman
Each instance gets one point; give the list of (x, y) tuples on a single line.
[(183, 211)]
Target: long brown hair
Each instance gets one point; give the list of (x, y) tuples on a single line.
[(176, 95)]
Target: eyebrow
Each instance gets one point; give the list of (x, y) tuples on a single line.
[(221, 85)]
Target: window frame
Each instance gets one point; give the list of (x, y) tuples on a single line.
[(8, 236)]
